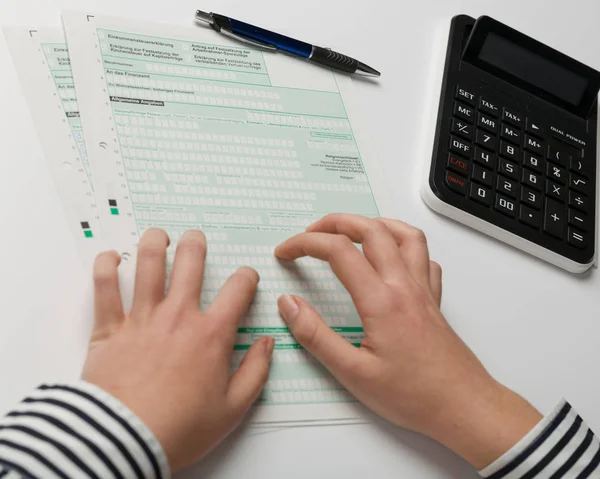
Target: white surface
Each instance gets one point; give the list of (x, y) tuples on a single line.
[(534, 326)]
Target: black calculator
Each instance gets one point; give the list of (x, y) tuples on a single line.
[(515, 145)]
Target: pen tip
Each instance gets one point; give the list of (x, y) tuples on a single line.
[(367, 70)]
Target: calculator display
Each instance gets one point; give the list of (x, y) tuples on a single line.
[(538, 69), (532, 68)]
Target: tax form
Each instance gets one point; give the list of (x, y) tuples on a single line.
[(188, 130), (43, 67)]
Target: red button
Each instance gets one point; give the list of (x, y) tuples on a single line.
[(456, 183), (460, 165)]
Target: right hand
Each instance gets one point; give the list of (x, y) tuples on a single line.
[(411, 368)]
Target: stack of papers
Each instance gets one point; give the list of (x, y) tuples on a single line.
[(147, 125)]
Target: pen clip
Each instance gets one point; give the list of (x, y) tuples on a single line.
[(255, 43)]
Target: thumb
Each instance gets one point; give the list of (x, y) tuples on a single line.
[(309, 329), (248, 381)]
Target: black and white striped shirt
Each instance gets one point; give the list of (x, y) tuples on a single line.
[(79, 431)]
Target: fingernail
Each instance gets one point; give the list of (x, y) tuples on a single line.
[(269, 345), (287, 307)]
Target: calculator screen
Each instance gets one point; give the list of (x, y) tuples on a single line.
[(532, 68)]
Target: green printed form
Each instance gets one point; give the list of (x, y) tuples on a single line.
[(57, 59), (207, 140)]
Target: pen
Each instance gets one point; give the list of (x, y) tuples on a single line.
[(272, 41)]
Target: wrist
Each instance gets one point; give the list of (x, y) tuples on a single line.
[(481, 427)]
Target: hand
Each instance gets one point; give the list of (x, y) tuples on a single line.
[(168, 361), (411, 368)]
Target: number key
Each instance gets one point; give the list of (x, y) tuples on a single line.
[(505, 206), (508, 150), (531, 197), (509, 169), (533, 161), (480, 194), (506, 186), (481, 175), (485, 139), (531, 179), (485, 158)]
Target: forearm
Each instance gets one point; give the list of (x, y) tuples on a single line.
[(77, 430)]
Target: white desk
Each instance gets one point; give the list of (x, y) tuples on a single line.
[(535, 327)]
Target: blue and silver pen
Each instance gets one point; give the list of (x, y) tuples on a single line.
[(272, 41)]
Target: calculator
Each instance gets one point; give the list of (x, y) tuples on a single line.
[(514, 154)]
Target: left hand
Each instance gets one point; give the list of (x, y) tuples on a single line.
[(168, 361)]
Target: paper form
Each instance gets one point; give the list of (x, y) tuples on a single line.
[(42, 63), (188, 130)]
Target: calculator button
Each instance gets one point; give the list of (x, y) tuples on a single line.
[(508, 150), (554, 219), (507, 186), (579, 183), (558, 154), (510, 133), (531, 197), (460, 146), (556, 173), (456, 183), (480, 194), (579, 219), (464, 95), (458, 164), (481, 175), (534, 128), (530, 217), (489, 107), (512, 117), (464, 112), (487, 123), (509, 169), (462, 128), (506, 206), (534, 145), (579, 239), (531, 179), (533, 161), (580, 166), (579, 201), (485, 158), (556, 191), (485, 139)]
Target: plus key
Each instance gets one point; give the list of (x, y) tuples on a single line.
[(554, 219)]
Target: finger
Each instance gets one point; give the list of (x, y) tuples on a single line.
[(435, 280), (379, 246), (346, 261), (151, 270), (248, 381), (413, 247), (188, 268), (309, 329), (233, 301), (108, 307)]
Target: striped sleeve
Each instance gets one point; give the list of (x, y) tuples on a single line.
[(77, 430), (560, 446)]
